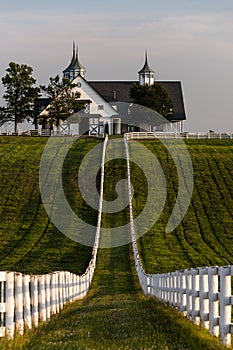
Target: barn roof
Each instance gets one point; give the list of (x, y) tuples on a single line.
[(119, 91)]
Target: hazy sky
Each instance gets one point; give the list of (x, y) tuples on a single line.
[(187, 40)]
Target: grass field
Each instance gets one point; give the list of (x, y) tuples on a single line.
[(115, 314), (205, 236), (30, 243)]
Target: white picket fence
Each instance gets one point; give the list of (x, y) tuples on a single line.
[(203, 295), (174, 135), (26, 300)]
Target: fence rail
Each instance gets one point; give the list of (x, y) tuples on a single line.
[(174, 135), (203, 294), (37, 132), (26, 300)]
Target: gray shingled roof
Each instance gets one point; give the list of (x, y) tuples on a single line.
[(119, 91)]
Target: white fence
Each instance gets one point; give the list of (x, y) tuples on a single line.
[(33, 132), (44, 133), (26, 300), (37, 132), (175, 135), (201, 294)]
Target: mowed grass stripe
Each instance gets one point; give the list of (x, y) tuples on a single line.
[(210, 177)]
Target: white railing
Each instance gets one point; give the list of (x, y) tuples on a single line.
[(44, 133), (201, 294), (36, 132), (174, 135), (26, 300)]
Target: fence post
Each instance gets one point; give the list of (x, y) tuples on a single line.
[(81, 281), (60, 289), (78, 290), (19, 324), (172, 289), (68, 286), (72, 287), (2, 303), (161, 287), (85, 284), (148, 288), (64, 287), (183, 292), (188, 281), (204, 297), (27, 302), (75, 287), (10, 304), (195, 296), (47, 296), (57, 292), (53, 294), (175, 289), (34, 293), (158, 285), (166, 287), (213, 300), (41, 298), (225, 305)]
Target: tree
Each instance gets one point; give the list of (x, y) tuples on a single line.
[(155, 97), (20, 94), (3, 116), (64, 100)]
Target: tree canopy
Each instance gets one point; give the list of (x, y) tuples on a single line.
[(64, 101), (19, 95), (155, 97)]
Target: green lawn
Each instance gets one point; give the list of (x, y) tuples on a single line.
[(115, 314), (205, 236), (30, 243)]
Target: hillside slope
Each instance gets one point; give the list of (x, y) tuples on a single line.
[(115, 314), (205, 236)]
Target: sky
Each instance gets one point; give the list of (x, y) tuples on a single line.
[(187, 40)]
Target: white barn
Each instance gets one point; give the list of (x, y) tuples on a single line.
[(102, 97)]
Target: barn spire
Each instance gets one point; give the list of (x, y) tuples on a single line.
[(146, 74), (75, 67), (73, 49)]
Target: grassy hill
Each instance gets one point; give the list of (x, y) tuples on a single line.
[(205, 236), (30, 243), (115, 315)]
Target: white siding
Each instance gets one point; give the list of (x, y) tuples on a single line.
[(88, 93)]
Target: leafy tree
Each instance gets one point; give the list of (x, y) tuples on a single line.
[(64, 100), (3, 116), (155, 97), (19, 95)]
